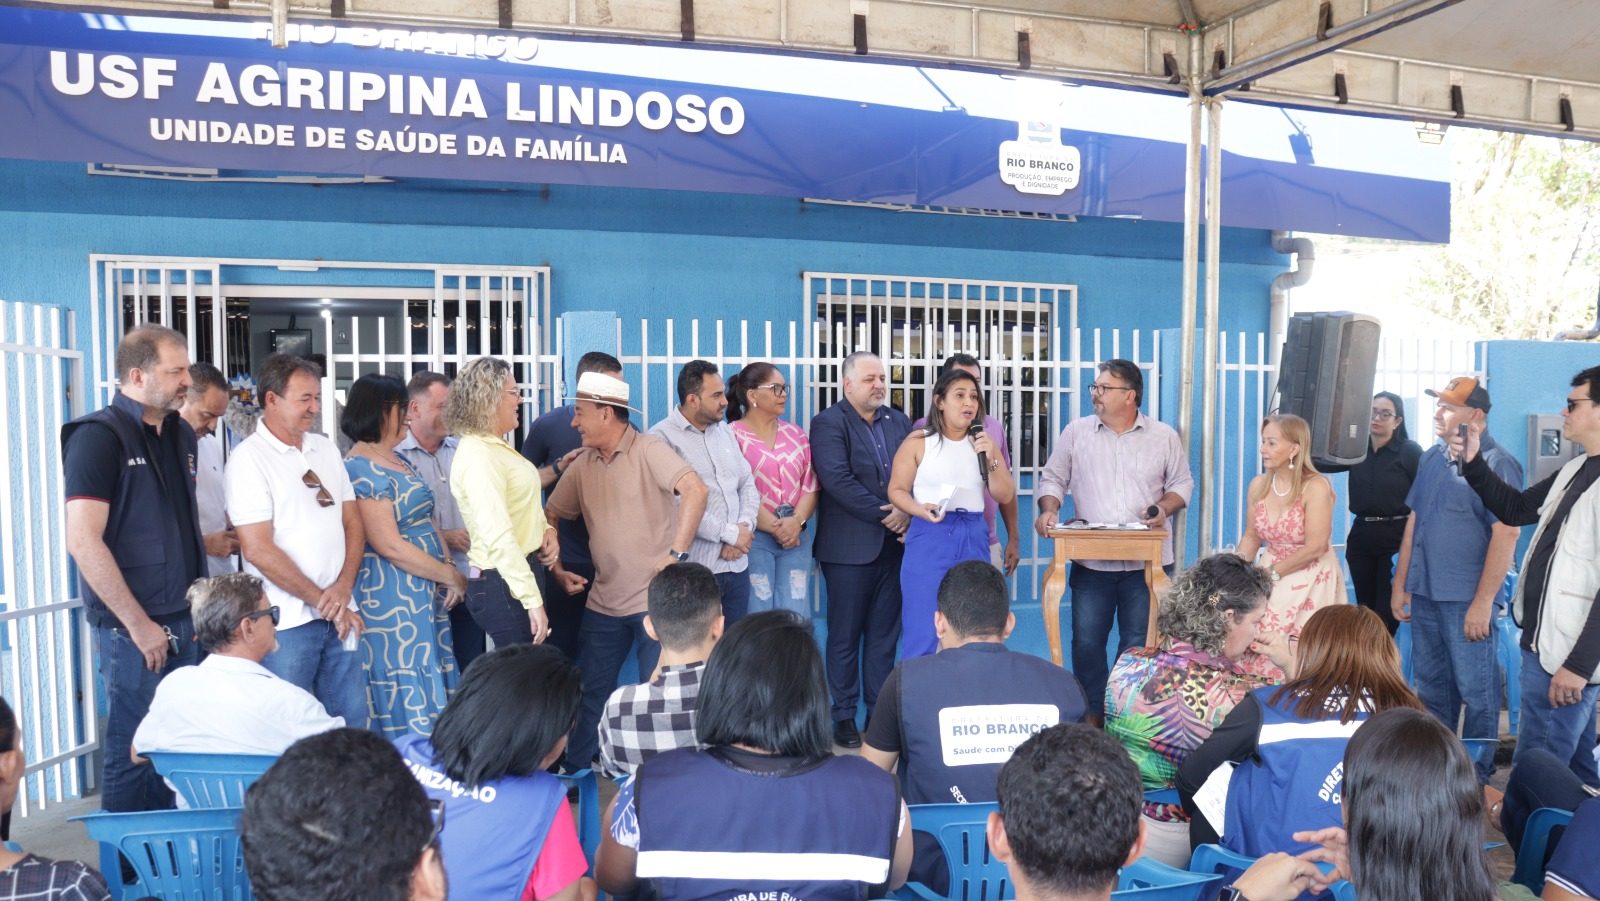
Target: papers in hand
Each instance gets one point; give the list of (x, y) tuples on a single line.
[(1122, 526), (1212, 798)]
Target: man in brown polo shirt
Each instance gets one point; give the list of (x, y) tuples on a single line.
[(642, 503)]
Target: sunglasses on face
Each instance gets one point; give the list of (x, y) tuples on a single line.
[(257, 614), (310, 480)]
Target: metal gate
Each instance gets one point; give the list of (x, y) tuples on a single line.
[(470, 311), (47, 668), (475, 311)]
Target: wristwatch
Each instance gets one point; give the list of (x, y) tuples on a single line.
[(680, 556), (1231, 894)]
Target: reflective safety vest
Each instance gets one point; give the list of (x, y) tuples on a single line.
[(710, 830), (1292, 783)]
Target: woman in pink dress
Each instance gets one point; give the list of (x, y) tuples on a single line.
[(1291, 513)]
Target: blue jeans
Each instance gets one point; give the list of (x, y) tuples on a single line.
[(1097, 597), (1453, 672), (126, 787), (312, 657), (735, 590), (1567, 732), (603, 645), (502, 617), (780, 578)]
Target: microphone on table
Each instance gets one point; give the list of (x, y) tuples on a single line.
[(973, 431)]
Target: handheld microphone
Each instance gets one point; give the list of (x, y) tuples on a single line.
[(973, 431), (1152, 511), (1455, 461)]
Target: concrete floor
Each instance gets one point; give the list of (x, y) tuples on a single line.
[(49, 831)]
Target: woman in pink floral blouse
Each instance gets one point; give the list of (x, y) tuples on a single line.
[(780, 456)]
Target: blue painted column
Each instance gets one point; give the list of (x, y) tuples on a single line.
[(583, 331)]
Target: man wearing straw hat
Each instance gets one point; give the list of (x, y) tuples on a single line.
[(642, 503)]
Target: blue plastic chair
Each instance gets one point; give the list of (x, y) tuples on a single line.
[(961, 830), (1229, 864), (207, 781), (1536, 847), (588, 812), (1151, 880), (190, 854), (1481, 748), (1510, 652)]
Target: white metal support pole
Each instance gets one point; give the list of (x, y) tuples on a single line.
[(1191, 278), (1208, 366)]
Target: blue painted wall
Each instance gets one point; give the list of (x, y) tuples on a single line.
[(637, 253), (1527, 377)]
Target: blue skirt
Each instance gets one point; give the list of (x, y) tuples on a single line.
[(931, 549)]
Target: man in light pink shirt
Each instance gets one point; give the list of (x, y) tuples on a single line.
[(1117, 464)]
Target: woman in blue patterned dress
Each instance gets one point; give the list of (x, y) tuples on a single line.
[(407, 582)]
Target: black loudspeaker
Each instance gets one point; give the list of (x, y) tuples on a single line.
[(1325, 377)]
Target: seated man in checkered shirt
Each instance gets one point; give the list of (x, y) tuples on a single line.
[(641, 721)]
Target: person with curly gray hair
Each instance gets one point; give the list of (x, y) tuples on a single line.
[(1163, 701)]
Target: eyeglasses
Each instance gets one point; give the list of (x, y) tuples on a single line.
[(778, 389), (257, 614), (1572, 402), (310, 480), (1098, 388), (1382, 416)]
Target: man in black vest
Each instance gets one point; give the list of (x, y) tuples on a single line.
[(133, 531), (950, 721)]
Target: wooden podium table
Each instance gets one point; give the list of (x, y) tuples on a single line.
[(1100, 544)]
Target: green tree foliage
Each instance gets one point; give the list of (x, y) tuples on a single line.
[(1524, 253)]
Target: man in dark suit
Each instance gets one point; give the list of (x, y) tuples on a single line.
[(852, 449)]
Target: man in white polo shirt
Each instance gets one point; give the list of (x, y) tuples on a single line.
[(230, 704), (294, 511)]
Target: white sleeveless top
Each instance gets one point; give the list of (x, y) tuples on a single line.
[(949, 469)]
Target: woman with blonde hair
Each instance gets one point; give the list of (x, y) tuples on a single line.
[(1291, 513), (1287, 741), (499, 494)]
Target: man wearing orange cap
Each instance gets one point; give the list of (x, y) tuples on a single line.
[(1452, 571)]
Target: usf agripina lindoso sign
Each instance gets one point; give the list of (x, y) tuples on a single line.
[(508, 107)]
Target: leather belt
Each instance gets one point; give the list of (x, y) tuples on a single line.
[(1383, 518)]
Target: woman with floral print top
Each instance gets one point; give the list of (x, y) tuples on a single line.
[(1162, 702)]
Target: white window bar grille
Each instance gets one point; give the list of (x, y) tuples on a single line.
[(1248, 392), (47, 671)]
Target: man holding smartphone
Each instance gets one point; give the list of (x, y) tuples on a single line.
[(1452, 571)]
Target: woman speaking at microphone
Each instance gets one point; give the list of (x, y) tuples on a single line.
[(940, 476)]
